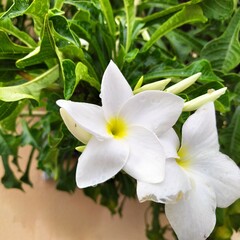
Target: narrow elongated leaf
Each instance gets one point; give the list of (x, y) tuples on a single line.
[(188, 14), (156, 16), (30, 89), (224, 52), (108, 14), (130, 17), (217, 9)]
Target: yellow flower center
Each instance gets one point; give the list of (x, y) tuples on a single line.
[(182, 161), (117, 128)]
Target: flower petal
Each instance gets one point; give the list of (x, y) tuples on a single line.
[(154, 110), (100, 161), (170, 142), (146, 161), (193, 217), (88, 116), (175, 183), (222, 174), (74, 128), (199, 132), (115, 90)]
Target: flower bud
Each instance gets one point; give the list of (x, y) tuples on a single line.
[(210, 96), (159, 85), (184, 84)]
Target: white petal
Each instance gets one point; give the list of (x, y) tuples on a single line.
[(100, 161), (158, 111), (88, 116), (146, 161), (223, 175), (193, 217), (115, 90), (74, 128), (199, 132), (175, 183), (170, 142)]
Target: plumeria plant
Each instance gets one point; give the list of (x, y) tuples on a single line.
[(103, 90)]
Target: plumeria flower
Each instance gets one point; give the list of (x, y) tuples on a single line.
[(122, 134), (198, 181)]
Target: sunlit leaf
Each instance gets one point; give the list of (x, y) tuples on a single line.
[(17, 9), (10, 50), (7, 26), (31, 89)]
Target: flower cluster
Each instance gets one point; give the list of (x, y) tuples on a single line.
[(134, 133)]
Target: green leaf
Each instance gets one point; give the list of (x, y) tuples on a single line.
[(170, 9), (37, 10), (188, 14), (31, 89), (10, 50), (82, 74), (202, 66), (217, 9), (45, 51), (224, 52), (70, 82), (6, 108), (9, 123), (9, 180), (230, 137), (7, 26), (48, 161), (25, 177), (17, 9), (27, 136), (109, 196), (108, 14), (183, 44), (63, 31), (130, 16)]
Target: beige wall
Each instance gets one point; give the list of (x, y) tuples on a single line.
[(45, 213)]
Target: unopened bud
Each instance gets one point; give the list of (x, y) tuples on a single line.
[(159, 85), (184, 84), (210, 96)]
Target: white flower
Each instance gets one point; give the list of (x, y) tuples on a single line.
[(122, 134), (197, 182)]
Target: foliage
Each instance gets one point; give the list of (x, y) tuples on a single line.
[(59, 49)]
